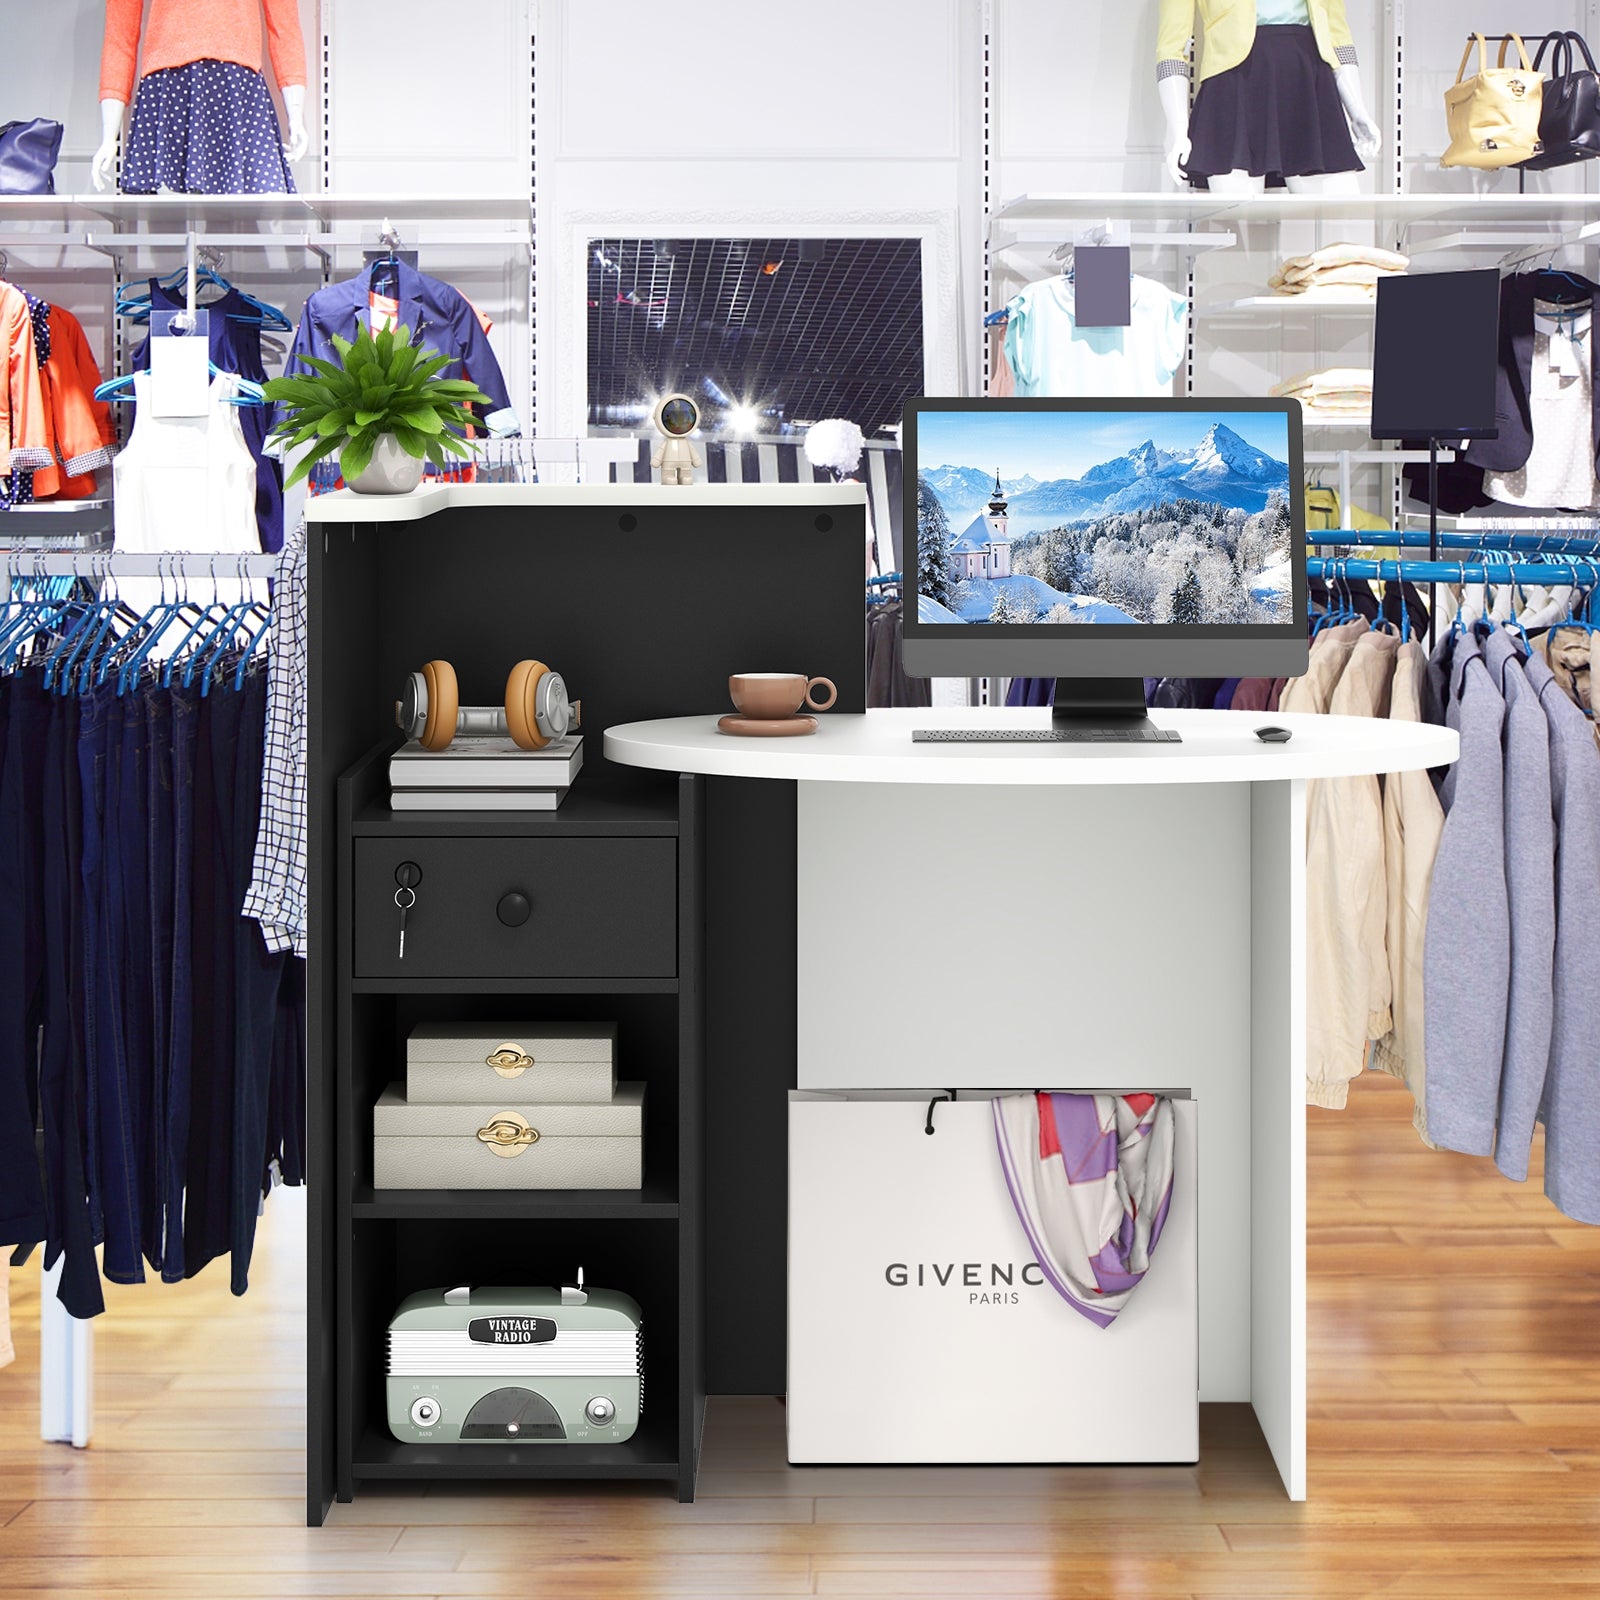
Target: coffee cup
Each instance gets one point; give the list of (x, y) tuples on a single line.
[(772, 696)]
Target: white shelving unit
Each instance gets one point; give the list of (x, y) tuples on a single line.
[(1291, 305)]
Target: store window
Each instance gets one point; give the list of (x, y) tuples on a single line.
[(767, 335)]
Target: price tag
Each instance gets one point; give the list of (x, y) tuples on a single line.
[(180, 364)]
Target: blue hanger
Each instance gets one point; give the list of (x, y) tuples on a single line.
[(133, 305), (246, 393), (250, 648)]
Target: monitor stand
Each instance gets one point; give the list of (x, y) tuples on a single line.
[(1085, 711), (1104, 710)]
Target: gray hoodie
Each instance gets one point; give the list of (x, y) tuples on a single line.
[(1466, 959), (1571, 1109), (1530, 846)]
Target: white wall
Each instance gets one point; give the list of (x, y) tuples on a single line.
[(840, 118), (847, 116)]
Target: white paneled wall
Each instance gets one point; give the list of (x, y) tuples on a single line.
[(842, 116), (835, 118)]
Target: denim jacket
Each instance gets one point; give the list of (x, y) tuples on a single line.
[(441, 316)]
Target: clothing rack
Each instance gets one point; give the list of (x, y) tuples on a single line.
[(1417, 539), (1544, 573), (98, 564)]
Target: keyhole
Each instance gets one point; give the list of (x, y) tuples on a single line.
[(408, 874)]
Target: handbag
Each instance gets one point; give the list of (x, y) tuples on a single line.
[(1569, 123), (28, 152), (1494, 117)]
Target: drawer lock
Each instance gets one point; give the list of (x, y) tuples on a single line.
[(509, 1061), (507, 1134)]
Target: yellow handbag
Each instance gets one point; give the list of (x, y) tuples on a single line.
[(1494, 117)]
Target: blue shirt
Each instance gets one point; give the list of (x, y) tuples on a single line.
[(1278, 13), (439, 315)]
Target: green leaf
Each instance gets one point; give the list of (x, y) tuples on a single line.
[(423, 418), (330, 423), (343, 346), (364, 417), (356, 457), (325, 448), (414, 444)]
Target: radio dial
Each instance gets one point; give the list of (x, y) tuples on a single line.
[(425, 1411), (600, 1411)]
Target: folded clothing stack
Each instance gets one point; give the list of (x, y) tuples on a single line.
[(1338, 272), (1334, 394)]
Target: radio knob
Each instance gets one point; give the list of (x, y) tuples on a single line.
[(600, 1411), (425, 1411)]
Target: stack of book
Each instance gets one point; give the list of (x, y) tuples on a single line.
[(482, 774)]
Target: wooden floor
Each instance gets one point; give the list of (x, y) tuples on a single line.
[(1455, 1449)]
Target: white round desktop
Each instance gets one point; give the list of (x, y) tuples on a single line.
[(1016, 916), (1217, 747)]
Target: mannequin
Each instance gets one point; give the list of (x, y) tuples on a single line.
[(1242, 57), (203, 119)]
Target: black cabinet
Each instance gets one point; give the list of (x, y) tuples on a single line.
[(596, 911)]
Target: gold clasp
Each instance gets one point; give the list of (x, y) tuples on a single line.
[(509, 1061), (507, 1134)]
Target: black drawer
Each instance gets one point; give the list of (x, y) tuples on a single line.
[(597, 908)]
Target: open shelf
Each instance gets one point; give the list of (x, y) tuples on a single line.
[(600, 803), (650, 1453), (252, 210), (657, 1200), (1294, 304)]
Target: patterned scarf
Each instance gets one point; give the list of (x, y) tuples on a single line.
[(1091, 1178)]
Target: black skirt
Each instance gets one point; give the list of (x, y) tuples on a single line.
[(1276, 115)]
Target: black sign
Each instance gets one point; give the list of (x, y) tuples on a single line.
[(511, 1330)]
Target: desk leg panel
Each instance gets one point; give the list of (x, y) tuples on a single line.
[(1278, 1127), (1018, 937)]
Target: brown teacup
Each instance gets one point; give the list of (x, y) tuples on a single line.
[(769, 696)]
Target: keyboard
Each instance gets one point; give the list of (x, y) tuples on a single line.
[(1138, 735)]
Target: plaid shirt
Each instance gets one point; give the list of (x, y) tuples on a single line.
[(277, 895)]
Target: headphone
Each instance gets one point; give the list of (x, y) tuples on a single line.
[(536, 709)]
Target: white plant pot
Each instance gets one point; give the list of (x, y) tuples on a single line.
[(391, 470)]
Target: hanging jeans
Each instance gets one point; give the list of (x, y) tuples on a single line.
[(24, 719), (259, 977), (185, 713), (113, 1138), (63, 1083)]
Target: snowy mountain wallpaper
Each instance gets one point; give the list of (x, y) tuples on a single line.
[(1029, 517)]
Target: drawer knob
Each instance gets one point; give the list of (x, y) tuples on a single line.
[(510, 1061), (514, 908), (507, 1134)]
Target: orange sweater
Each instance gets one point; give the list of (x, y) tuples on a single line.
[(181, 31)]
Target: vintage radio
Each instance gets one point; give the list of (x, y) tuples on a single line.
[(515, 1366)]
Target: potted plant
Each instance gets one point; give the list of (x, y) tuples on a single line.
[(382, 406)]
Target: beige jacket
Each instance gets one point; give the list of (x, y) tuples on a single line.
[(1348, 981), (1230, 34), (1413, 821)]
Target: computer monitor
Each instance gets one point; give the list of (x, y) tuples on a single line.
[(1102, 541)]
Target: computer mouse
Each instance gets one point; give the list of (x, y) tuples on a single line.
[(1274, 735)]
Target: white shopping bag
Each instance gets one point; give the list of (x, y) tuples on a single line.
[(920, 1326)]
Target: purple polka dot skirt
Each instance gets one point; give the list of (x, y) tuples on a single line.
[(206, 128)]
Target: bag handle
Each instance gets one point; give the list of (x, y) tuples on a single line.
[(1466, 56), (1522, 51), (1560, 57), (1583, 44)]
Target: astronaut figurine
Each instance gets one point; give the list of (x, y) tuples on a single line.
[(676, 416)]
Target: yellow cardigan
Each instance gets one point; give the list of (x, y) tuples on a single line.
[(1230, 34)]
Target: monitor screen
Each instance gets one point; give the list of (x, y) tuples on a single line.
[(1106, 537)]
